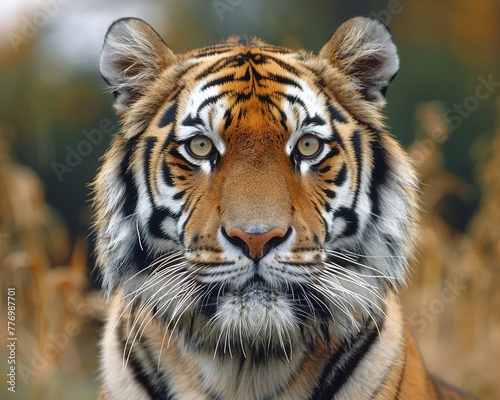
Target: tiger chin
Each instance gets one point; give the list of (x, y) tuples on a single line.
[(254, 221)]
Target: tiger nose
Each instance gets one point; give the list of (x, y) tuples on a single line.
[(254, 244)]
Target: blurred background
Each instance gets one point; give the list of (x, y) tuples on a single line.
[(56, 120)]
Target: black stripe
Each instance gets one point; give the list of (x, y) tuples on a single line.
[(142, 377), (167, 174), (349, 367), (341, 176), (229, 62), (184, 167), (241, 97), (213, 50), (324, 170), (327, 206), (294, 100), (170, 138), (228, 116), (175, 153), (179, 195), (351, 219), (343, 363), (168, 116), (218, 81), (209, 101), (283, 120), (192, 121), (358, 154), (148, 149), (139, 256), (152, 380), (329, 193), (186, 164), (166, 167), (287, 67), (270, 103), (336, 115), (131, 194), (155, 220), (315, 120), (323, 220), (379, 175), (333, 152), (284, 80)]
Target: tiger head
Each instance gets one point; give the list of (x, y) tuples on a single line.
[(253, 197)]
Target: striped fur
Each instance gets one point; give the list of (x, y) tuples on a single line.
[(254, 221)]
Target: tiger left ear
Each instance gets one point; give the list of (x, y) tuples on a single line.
[(362, 48), (132, 56)]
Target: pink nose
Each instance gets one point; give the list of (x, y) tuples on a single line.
[(256, 241)]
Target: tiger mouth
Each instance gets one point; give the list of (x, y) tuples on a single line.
[(258, 294), (254, 288), (257, 290)]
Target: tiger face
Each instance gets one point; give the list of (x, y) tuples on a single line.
[(252, 200)]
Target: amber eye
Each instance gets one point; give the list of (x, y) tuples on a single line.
[(201, 146), (308, 146)]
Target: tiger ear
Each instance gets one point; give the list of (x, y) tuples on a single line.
[(363, 48), (132, 56)]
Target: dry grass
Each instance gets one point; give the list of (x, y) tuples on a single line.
[(452, 303), (54, 314)]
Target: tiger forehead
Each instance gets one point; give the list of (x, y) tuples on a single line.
[(256, 89), (244, 72)]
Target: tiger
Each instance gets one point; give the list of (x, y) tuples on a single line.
[(254, 222)]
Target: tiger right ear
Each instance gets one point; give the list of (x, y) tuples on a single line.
[(132, 56), (363, 49)]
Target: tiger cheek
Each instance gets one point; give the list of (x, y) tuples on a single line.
[(308, 223), (200, 232)]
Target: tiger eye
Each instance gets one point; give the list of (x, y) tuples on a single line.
[(308, 146), (201, 146)]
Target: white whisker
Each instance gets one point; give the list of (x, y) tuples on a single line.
[(138, 234)]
